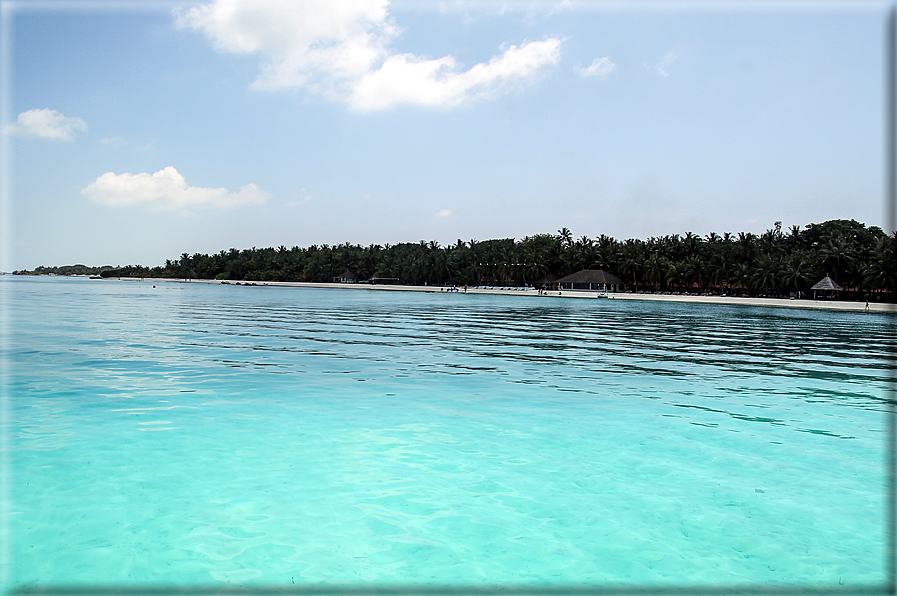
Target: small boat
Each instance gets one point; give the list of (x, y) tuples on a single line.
[(601, 294)]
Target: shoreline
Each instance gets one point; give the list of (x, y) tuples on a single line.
[(833, 305)]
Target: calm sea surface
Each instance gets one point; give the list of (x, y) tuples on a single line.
[(212, 436)]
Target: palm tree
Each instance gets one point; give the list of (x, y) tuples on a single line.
[(746, 246), (565, 236), (794, 241), (655, 269), (692, 244), (836, 253), (368, 264), (630, 261), (676, 273), (766, 274), (719, 269), (881, 271), (796, 272), (772, 242), (695, 272), (572, 259), (741, 277)]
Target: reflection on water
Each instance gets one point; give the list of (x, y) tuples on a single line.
[(207, 434)]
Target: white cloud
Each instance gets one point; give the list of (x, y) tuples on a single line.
[(304, 197), (665, 64), (444, 213), (47, 124), (404, 78), (340, 50), (600, 67), (165, 190)]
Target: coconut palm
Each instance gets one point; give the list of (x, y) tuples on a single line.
[(881, 271), (655, 269), (719, 269), (695, 272), (836, 254), (766, 274), (676, 273), (692, 244), (746, 246), (630, 261), (565, 236), (796, 272), (741, 277)]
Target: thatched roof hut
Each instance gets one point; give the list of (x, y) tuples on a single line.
[(591, 279), (346, 277), (826, 284)]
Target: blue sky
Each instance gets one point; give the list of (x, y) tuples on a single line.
[(135, 132)]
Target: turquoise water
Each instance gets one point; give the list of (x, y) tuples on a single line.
[(275, 438)]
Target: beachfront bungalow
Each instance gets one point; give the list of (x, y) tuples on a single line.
[(591, 279), (346, 277), (828, 287)]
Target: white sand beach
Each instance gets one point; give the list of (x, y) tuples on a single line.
[(566, 294)]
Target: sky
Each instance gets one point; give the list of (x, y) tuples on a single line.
[(133, 132)]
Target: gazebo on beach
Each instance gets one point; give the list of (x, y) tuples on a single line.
[(826, 284), (346, 277), (591, 279)]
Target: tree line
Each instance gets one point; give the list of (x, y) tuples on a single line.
[(775, 263), (66, 270)]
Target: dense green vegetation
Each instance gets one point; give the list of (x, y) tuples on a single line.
[(67, 270), (774, 263)]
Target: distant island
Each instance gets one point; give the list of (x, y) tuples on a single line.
[(859, 260), (67, 270)]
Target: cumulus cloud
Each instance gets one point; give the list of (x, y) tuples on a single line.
[(341, 50), (166, 189), (444, 213), (404, 78), (47, 124), (600, 67)]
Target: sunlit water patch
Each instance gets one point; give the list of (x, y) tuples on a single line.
[(206, 435)]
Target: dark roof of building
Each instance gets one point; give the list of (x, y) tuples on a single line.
[(591, 276), (827, 283), (346, 275)]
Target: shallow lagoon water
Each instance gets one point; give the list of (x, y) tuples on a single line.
[(207, 435)]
